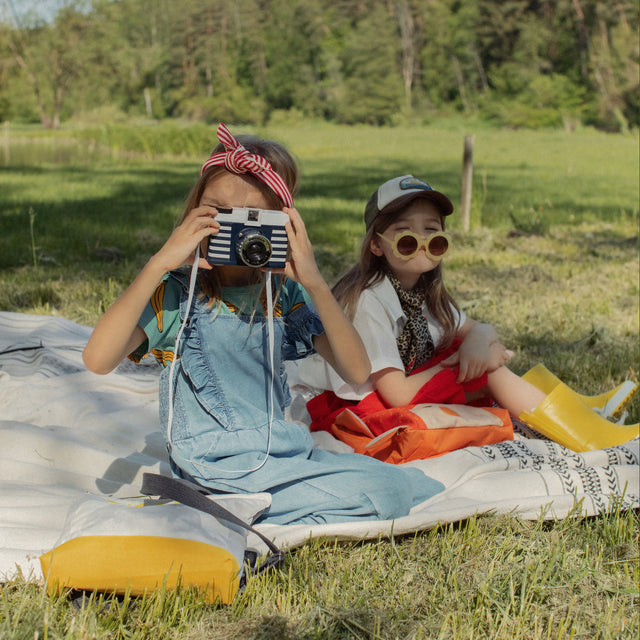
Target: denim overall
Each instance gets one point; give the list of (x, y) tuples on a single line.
[(220, 428)]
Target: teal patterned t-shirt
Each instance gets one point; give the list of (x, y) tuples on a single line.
[(161, 318)]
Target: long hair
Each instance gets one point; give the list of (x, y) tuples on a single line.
[(371, 269), (281, 162)]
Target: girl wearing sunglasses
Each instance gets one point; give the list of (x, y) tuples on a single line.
[(424, 349)]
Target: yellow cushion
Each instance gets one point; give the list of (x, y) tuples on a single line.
[(136, 545)]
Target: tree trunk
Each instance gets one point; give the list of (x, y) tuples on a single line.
[(583, 40), (460, 81), (45, 120), (481, 72), (407, 42)]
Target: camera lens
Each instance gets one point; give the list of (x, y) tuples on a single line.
[(253, 248)]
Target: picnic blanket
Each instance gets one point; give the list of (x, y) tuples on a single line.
[(65, 432)]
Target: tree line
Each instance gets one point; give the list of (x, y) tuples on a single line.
[(520, 63)]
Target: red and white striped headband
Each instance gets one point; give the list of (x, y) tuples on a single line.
[(238, 160)]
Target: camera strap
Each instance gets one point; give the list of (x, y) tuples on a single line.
[(176, 346), (271, 372)]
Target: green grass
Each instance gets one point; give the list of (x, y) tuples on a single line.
[(552, 260), (493, 578)]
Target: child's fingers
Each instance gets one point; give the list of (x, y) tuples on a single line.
[(201, 223), (200, 218), (451, 361), (297, 227), (195, 229), (203, 217), (297, 235), (462, 372), (294, 215), (470, 371), (302, 266), (203, 210)]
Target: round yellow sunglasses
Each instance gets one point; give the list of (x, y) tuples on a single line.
[(407, 244)]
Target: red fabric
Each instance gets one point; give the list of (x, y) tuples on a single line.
[(436, 421), (441, 389)]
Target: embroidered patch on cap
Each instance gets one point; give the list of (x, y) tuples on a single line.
[(413, 183)]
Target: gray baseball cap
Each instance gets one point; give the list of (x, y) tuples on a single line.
[(397, 192)]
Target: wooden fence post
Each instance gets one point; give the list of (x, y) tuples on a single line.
[(467, 180), (147, 102), (5, 144)]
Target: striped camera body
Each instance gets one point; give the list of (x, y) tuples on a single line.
[(249, 237)]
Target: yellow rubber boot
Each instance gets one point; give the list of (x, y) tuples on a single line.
[(608, 405), (565, 419)]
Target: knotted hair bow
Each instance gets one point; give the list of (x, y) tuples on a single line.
[(237, 159)]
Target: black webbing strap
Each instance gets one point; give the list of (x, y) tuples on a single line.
[(186, 493)]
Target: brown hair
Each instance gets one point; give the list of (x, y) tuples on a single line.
[(371, 270), (282, 163)]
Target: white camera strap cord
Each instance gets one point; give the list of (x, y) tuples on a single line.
[(192, 287), (270, 332)]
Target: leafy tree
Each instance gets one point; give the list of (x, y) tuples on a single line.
[(373, 87), (293, 38), (524, 62), (122, 57), (546, 101), (50, 57), (498, 28), (452, 69), (613, 57)]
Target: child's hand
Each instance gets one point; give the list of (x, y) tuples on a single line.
[(181, 245), (474, 360), (500, 355), (301, 266)]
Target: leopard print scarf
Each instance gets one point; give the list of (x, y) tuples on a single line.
[(415, 343)]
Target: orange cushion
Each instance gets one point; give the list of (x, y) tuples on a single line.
[(422, 431)]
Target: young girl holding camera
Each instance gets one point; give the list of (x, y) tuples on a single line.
[(423, 349), (222, 333)]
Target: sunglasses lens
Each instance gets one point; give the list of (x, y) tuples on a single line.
[(407, 245), (438, 246)]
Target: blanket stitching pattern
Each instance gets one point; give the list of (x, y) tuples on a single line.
[(600, 485), (521, 454), (621, 455)]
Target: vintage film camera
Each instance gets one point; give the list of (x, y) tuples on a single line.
[(252, 237)]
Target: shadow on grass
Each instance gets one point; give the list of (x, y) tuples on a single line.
[(138, 203), (109, 213), (356, 182), (328, 622)]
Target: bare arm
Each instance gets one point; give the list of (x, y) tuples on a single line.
[(397, 388), (340, 344), (479, 352), (117, 333)]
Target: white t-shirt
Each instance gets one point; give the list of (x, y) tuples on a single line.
[(379, 320)]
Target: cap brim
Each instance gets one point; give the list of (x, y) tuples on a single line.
[(444, 204)]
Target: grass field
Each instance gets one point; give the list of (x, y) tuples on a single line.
[(552, 260)]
